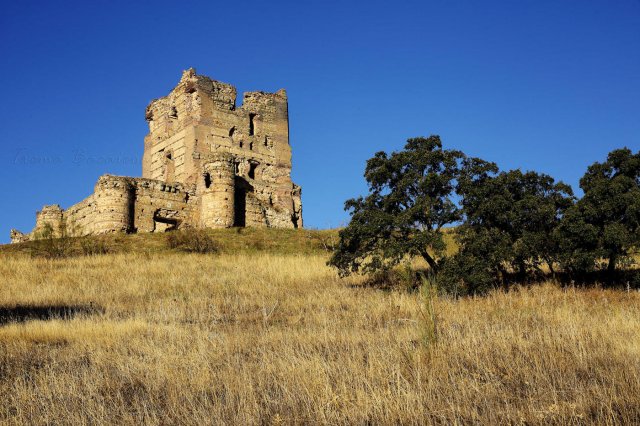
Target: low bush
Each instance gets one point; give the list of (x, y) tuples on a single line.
[(92, 246), (193, 241), (52, 244), (402, 277)]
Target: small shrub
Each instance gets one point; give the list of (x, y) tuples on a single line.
[(328, 242), (92, 246), (402, 277), (51, 244), (193, 241), (464, 274), (258, 245)]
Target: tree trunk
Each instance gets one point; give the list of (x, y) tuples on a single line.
[(522, 270), (432, 263), (611, 267)]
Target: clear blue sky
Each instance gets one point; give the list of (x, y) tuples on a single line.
[(544, 85)]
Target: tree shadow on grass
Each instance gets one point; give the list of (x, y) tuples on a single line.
[(22, 313), (394, 279), (411, 280)]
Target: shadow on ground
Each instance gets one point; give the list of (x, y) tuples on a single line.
[(411, 280), (23, 313)]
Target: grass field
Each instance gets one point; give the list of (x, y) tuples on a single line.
[(265, 333)]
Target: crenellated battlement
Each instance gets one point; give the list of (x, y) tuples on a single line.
[(199, 116), (200, 100)]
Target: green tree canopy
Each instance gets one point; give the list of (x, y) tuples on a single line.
[(509, 223), (409, 203), (605, 222)]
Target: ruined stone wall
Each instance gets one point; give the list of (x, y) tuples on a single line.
[(120, 204), (50, 216), (199, 119), (161, 206), (80, 217), (207, 163), (216, 189), (114, 199)]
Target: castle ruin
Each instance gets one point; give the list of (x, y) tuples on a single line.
[(206, 164)]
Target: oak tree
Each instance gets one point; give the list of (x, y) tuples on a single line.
[(410, 200)]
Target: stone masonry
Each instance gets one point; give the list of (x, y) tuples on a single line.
[(207, 164)]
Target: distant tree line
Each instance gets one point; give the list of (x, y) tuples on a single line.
[(510, 226)]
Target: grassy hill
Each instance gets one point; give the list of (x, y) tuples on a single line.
[(232, 240), (263, 332)]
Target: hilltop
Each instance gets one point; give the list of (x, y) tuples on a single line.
[(263, 332), (228, 241)]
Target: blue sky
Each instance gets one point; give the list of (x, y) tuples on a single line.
[(544, 85)]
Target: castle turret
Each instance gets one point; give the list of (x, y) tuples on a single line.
[(49, 220), (217, 193), (114, 202)]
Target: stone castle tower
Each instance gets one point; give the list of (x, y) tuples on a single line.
[(206, 164)]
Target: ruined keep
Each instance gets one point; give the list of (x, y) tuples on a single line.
[(206, 164)]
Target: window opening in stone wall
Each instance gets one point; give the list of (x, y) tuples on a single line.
[(251, 124), (251, 146), (241, 144), (174, 112), (169, 167), (252, 170), (240, 203), (162, 223), (236, 167), (207, 180), (232, 131)]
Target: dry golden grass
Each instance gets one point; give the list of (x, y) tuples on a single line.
[(259, 338)]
